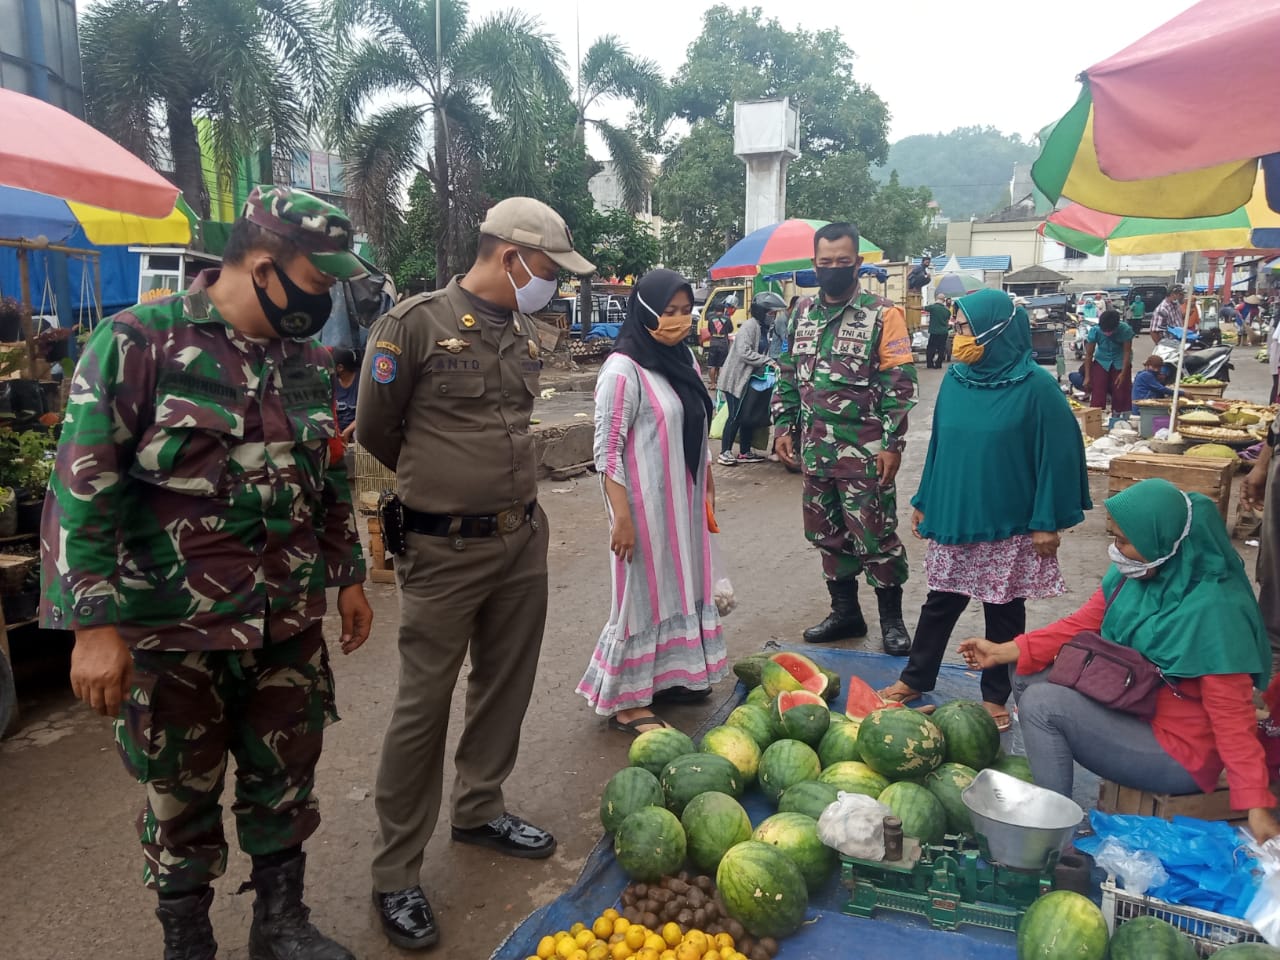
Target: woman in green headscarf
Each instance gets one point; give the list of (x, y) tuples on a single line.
[(1176, 592), (1004, 473)]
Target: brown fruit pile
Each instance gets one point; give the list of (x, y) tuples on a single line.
[(692, 903)]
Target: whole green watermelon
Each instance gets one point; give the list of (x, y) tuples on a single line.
[(839, 744), (694, 773), (947, 783), (1150, 938), (900, 744), (1014, 767), (784, 764), (854, 776), (735, 745), (650, 844), (799, 718), (1247, 951), (796, 835), (971, 734), (759, 697), (713, 822), (654, 749), (921, 814), (762, 889), (1063, 926), (810, 798), (756, 721), (628, 790)]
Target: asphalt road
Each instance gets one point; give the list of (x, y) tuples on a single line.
[(69, 862)]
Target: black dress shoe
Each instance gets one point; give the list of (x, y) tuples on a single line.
[(681, 695), (510, 835), (407, 919)]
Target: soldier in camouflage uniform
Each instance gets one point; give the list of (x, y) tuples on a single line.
[(846, 384), (198, 511)]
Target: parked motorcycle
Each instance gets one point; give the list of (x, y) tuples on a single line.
[(1212, 362)]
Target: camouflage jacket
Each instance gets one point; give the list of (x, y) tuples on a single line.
[(198, 499), (846, 384)]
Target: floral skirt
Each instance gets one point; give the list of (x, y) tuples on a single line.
[(994, 572)]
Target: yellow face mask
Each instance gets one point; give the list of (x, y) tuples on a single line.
[(672, 328), (966, 350)]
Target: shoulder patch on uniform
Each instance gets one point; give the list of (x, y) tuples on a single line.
[(384, 367), (386, 345)]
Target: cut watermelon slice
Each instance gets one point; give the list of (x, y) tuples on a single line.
[(863, 699), (798, 698), (803, 670)]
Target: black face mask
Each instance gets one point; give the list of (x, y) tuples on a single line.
[(835, 282), (303, 314)]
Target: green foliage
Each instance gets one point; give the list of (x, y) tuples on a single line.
[(898, 219), (412, 260), (968, 169), (621, 245), (26, 460)]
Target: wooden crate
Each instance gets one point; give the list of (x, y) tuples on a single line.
[(1195, 390), (1113, 798), (1189, 474), (1091, 422), (381, 568)]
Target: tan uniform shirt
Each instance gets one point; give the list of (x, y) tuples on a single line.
[(448, 387)]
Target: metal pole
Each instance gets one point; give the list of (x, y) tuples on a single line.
[(24, 276), (1174, 435)]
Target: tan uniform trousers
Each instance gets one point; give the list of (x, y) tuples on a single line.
[(488, 599)]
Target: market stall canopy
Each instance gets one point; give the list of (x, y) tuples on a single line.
[(1142, 137), (48, 151), (779, 248), (27, 214)]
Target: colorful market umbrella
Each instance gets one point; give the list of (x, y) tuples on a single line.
[(956, 285), (25, 214), (780, 248), (1144, 137)]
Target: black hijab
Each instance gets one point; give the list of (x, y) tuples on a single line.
[(652, 293)]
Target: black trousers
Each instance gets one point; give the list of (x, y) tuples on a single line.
[(938, 618), (936, 350)]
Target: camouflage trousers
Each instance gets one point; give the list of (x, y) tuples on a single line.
[(186, 712), (854, 524)]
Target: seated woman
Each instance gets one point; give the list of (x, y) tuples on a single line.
[(1177, 593)]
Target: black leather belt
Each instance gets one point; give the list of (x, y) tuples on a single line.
[(444, 525)]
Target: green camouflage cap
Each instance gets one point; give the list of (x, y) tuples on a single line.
[(322, 230)]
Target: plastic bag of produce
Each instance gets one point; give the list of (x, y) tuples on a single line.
[(1140, 871), (854, 825), (721, 587)]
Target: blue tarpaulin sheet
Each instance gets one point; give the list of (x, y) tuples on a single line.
[(827, 932)]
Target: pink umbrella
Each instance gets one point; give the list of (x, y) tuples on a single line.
[(47, 150)]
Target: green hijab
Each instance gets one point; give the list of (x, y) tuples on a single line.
[(1004, 331), (1197, 615)]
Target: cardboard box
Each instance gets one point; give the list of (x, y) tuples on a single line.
[(1091, 422), (1188, 474)]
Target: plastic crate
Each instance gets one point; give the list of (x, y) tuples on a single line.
[(1208, 931)]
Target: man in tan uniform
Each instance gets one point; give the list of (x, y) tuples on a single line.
[(448, 387)]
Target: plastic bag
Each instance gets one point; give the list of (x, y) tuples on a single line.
[(719, 421), (1140, 871), (721, 587), (1264, 911), (854, 825)]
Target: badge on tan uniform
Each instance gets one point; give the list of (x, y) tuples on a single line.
[(468, 321), (453, 344), (533, 350)]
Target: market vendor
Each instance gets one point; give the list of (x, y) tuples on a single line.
[(1177, 593), (1149, 383)]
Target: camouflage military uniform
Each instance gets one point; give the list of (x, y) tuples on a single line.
[(200, 506), (846, 384)]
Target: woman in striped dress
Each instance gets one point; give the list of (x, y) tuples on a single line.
[(663, 638)]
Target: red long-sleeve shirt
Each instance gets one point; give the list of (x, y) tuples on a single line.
[(1212, 724)]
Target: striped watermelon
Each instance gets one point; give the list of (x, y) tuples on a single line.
[(792, 671), (1150, 938), (756, 721), (654, 749), (713, 822), (921, 814), (802, 716), (784, 764), (901, 744), (810, 798), (1063, 926), (971, 734), (1248, 951), (1015, 766), (628, 790), (762, 889), (947, 783), (853, 776), (694, 773), (649, 844), (839, 744), (736, 746), (797, 836)]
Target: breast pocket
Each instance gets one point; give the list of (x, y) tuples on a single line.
[(186, 449), (315, 444), (460, 400)]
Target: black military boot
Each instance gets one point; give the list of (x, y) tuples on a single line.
[(282, 928), (845, 621), (893, 632), (188, 935)]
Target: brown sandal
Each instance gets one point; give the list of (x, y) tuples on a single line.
[(634, 727), (903, 696)]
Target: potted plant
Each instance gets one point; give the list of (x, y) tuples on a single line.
[(26, 463), (8, 512)]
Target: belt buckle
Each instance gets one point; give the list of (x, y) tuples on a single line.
[(509, 520)]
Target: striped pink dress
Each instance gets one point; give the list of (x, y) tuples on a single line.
[(663, 629)]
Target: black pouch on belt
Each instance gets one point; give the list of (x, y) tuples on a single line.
[(391, 520)]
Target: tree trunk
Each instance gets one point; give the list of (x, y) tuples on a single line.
[(184, 143), (586, 305), (444, 201)]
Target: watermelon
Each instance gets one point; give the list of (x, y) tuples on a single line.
[(838, 717), (1063, 926), (654, 749), (797, 836), (759, 697), (650, 844), (809, 797), (862, 699), (685, 777), (946, 784), (802, 716), (756, 721), (1015, 767), (736, 746), (832, 690), (901, 744), (972, 736), (750, 671), (807, 674), (713, 822), (853, 776), (628, 790), (762, 889), (839, 744), (921, 814), (784, 764), (1246, 951), (1150, 938)]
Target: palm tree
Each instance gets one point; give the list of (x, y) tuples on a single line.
[(481, 92), (153, 69), (608, 71)]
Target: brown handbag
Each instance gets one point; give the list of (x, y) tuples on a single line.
[(1115, 676)]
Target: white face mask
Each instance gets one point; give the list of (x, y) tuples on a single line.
[(1134, 570), (535, 294)]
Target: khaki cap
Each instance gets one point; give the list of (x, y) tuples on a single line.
[(531, 223)]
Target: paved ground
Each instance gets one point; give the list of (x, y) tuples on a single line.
[(69, 863)]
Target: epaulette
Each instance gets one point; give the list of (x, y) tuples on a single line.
[(408, 303)]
